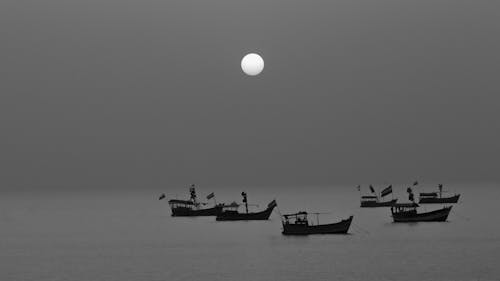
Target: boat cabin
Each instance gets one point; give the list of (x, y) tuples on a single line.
[(369, 198), (429, 194), (187, 204), (299, 218), (230, 208), (404, 208)]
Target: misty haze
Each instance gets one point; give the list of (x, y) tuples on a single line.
[(105, 105)]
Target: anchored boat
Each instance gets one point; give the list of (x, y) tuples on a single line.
[(372, 201), (230, 212), (193, 208), (407, 212), (437, 197), (187, 208), (298, 224)]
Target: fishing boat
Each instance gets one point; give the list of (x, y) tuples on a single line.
[(188, 208), (407, 212), (437, 197), (193, 208), (372, 201), (230, 212), (298, 224)]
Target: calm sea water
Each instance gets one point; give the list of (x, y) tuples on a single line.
[(129, 235)]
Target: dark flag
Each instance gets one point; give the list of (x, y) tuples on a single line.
[(359, 187), (372, 189), (210, 196), (162, 196), (410, 194), (386, 191), (415, 183), (411, 197)]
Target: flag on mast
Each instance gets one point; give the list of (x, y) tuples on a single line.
[(386, 191)]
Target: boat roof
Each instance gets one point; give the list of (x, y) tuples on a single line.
[(295, 214), (231, 205), (428, 194), (406, 205), (176, 201)]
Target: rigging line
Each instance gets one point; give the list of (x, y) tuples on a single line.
[(461, 216), (279, 212), (362, 229), (358, 231)]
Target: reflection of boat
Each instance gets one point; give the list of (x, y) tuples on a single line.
[(437, 197), (192, 208), (298, 224), (371, 201), (230, 212), (407, 212)]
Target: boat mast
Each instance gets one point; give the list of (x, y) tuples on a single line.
[(192, 192), (359, 190), (440, 186), (244, 194)]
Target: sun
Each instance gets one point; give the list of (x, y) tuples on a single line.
[(252, 64)]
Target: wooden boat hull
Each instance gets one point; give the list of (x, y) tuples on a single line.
[(373, 204), (189, 212), (412, 216), (235, 216), (438, 200), (341, 227)]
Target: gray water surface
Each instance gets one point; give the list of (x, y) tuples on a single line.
[(129, 235)]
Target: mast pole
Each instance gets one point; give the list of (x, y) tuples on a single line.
[(245, 200), (359, 191)]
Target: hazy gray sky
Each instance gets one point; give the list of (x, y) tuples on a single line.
[(150, 93)]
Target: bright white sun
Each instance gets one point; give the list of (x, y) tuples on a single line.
[(252, 64)]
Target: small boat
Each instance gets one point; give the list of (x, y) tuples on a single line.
[(407, 212), (193, 208), (437, 197), (230, 212), (372, 201), (188, 208), (298, 224)]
